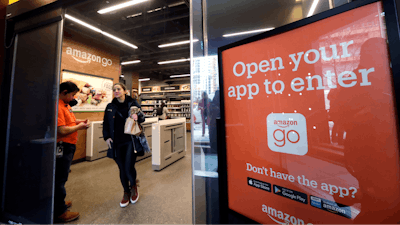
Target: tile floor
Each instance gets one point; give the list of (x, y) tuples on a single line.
[(165, 197)]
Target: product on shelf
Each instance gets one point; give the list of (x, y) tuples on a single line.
[(176, 108)]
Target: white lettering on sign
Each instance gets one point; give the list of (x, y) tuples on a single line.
[(281, 217), (87, 57)]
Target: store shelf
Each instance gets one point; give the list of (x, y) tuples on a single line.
[(176, 108)]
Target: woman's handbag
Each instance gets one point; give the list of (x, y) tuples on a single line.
[(132, 126), (144, 143)]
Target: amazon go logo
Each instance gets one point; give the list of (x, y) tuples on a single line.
[(287, 133)]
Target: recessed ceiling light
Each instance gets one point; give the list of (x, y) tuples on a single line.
[(130, 62), (134, 15), (82, 23), (154, 10), (183, 75), (100, 31), (176, 4), (120, 6), (248, 32), (174, 61), (177, 43)]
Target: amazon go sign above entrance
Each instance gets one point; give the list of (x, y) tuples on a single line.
[(85, 57)]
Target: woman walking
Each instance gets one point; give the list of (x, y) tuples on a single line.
[(123, 147)]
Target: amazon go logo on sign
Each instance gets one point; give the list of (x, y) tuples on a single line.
[(287, 133)]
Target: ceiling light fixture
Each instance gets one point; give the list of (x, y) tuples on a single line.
[(183, 75), (100, 31), (176, 4), (83, 23), (121, 75), (174, 61), (130, 62), (120, 6), (155, 10), (312, 9), (134, 15), (144, 79), (177, 43), (119, 40), (248, 32)]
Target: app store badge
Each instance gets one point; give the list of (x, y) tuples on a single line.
[(287, 133)]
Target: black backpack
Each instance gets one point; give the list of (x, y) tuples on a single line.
[(159, 111)]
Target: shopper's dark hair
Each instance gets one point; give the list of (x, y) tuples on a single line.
[(68, 86)]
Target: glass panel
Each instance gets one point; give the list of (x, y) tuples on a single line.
[(216, 23)]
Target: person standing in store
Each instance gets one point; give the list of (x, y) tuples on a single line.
[(135, 95), (123, 147), (67, 136), (162, 112), (203, 106), (214, 112)]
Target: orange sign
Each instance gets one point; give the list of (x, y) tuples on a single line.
[(311, 133)]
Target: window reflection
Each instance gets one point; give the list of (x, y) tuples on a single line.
[(355, 111), (205, 95)]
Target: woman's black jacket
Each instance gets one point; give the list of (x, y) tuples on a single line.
[(108, 123)]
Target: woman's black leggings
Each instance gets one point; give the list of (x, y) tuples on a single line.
[(126, 159)]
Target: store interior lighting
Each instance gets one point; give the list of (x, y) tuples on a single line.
[(100, 31), (154, 10), (173, 61), (177, 43), (121, 75), (312, 9), (144, 79), (82, 23), (120, 6), (248, 32), (183, 75), (130, 62)]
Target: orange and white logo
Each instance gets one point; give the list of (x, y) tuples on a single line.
[(287, 133)]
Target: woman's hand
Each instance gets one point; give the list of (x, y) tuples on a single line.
[(135, 117), (109, 141)]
